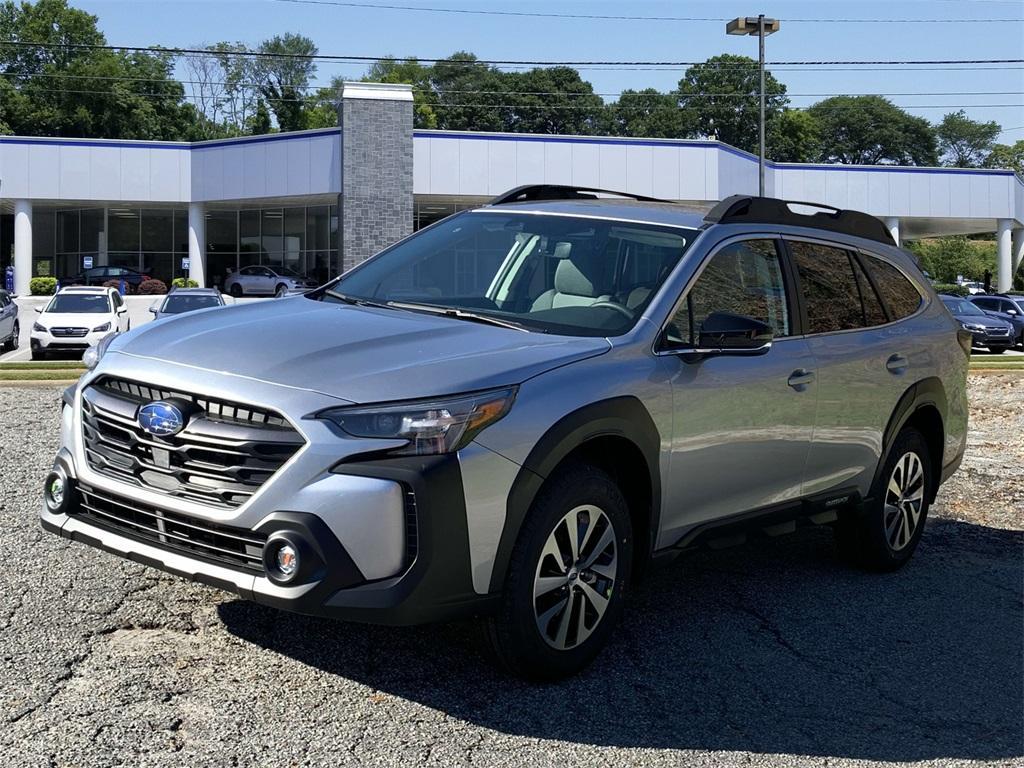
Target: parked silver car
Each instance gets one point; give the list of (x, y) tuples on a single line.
[(267, 281), (181, 300), (513, 412)]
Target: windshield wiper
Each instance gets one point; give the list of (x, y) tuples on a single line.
[(357, 301), (461, 314)]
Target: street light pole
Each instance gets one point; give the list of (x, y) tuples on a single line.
[(762, 27)]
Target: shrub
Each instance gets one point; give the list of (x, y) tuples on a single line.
[(42, 286), (951, 289), (152, 287), (184, 282)]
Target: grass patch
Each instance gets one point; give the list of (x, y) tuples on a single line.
[(65, 375), (43, 366)]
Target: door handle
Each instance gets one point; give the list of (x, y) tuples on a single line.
[(896, 364), (800, 378)]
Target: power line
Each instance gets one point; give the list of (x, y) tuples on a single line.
[(539, 63), (616, 94), (609, 17)]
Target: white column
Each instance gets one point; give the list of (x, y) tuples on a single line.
[(22, 246), (197, 243), (892, 223), (1003, 255), (1017, 250)]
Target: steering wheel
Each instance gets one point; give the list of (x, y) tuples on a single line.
[(613, 305)]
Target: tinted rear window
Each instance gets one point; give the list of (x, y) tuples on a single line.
[(898, 292), (829, 287)]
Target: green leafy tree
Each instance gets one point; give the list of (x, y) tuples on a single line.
[(470, 96), (965, 143), (872, 130), (259, 123), (554, 100), (1007, 156), (947, 258), (87, 92), (649, 113), (794, 136), (391, 70), (284, 72), (722, 97)]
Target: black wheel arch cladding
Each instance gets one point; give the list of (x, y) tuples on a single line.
[(621, 417), (924, 394)]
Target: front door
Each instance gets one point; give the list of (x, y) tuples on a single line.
[(742, 425)]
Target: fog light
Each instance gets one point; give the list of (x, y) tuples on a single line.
[(287, 560), (55, 492)]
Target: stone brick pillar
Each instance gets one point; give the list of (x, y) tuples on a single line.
[(375, 205)]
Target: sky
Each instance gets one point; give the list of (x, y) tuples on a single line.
[(984, 93)]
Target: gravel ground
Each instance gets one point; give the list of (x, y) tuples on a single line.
[(768, 654)]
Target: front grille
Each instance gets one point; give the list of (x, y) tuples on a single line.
[(998, 331), (236, 548), (63, 333), (223, 455)]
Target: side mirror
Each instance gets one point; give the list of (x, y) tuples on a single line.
[(152, 310), (1012, 312), (121, 310), (728, 334), (39, 310)]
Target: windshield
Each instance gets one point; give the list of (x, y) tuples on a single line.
[(79, 303), (558, 274), (175, 305), (962, 307)]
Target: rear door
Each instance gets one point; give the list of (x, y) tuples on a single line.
[(8, 311), (866, 358), (742, 426)]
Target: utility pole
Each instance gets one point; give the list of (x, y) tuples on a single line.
[(762, 27)]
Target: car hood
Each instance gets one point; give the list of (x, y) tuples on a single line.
[(359, 354), (74, 319)]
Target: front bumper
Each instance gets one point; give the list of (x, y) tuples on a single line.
[(49, 342), (391, 534)]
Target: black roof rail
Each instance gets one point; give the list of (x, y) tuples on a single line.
[(532, 192), (747, 209)]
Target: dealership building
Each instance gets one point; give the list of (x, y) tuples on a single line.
[(321, 201)]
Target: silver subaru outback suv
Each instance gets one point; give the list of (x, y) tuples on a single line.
[(513, 412)]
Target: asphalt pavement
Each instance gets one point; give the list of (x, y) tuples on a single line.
[(768, 654)]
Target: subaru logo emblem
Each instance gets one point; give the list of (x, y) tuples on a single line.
[(161, 419)]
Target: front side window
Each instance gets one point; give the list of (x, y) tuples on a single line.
[(829, 285), (79, 303), (743, 278), (547, 273), (897, 291)]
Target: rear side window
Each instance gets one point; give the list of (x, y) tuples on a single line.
[(897, 291), (830, 287), (874, 312)]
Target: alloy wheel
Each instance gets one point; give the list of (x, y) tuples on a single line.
[(15, 340), (576, 577), (904, 500)]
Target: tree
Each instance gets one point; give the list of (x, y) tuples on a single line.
[(721, 96), (965, 143), (259, 122), (284, 70), (70, 89), (470, 96), (872, 130), (794, 136), (554, 100), (1007, 156), (648, 113), (391, 70), (947, 258)]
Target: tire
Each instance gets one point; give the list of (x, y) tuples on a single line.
[(538, 560), (15, 338), (38, 354), (235, 290), (885, 534), (280, 291)]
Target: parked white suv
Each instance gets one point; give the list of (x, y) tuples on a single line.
[(76, 319)]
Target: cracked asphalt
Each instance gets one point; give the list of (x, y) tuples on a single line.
[(767, 654)]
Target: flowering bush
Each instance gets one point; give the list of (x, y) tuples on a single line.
[(152, 287)]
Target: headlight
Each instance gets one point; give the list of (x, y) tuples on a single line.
[(104, 327), (38, 327), (92, 355), (973, 326), (429, 426)]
